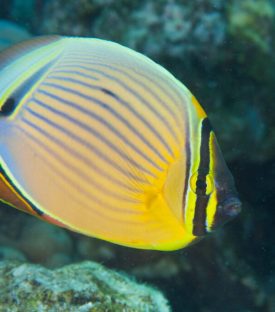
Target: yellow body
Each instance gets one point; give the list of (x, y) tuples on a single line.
[(97, 142)]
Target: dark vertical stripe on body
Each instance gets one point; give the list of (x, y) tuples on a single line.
[(68, 180), (94, 133), (94, 167), (140, 98), (78, 199), (83, 142), (138, 82), (187, 166), (74, 72), (98, 118), (85, 177), (100, 103), (199, 222), (158, 80), (141, 84), (187, 170)]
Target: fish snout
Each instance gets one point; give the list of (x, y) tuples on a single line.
[(227, 210), (232, 207)]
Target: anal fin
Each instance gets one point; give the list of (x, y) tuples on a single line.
[(9, 195)]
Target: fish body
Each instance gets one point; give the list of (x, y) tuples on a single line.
[(98, 138)]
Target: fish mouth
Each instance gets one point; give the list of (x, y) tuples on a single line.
[(232, 207), (226, 211)]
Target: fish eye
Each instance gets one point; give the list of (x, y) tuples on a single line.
[(202, 185), (8, 107)]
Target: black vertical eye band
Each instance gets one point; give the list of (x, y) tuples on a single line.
[(201, 185)]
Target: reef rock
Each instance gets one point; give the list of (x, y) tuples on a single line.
[(84, 287)]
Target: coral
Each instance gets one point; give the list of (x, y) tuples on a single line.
[(149, 26), (85, 287), (251, 22)]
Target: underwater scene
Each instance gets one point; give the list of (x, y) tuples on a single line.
[(137, 142)]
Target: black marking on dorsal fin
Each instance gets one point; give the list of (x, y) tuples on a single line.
[(14, 98), (8, 107)]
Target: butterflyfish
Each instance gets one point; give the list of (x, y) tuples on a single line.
[(99, 139)]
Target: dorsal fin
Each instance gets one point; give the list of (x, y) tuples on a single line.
[(11, 53)]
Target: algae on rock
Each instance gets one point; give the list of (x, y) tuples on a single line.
[(85, 287)]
